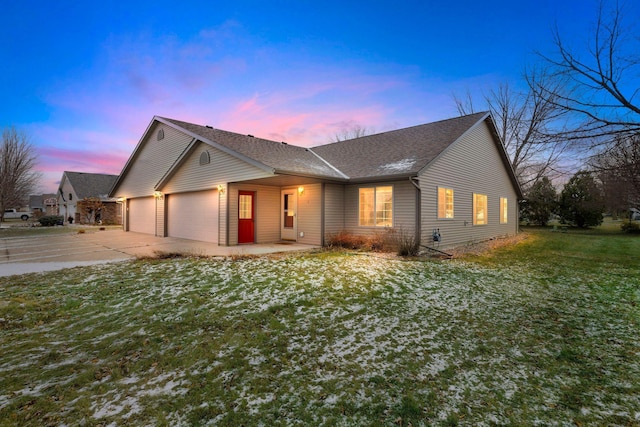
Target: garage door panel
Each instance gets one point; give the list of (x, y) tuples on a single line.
[(142, 215), (193, 215)]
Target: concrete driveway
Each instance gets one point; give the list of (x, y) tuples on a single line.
[(39, 253)]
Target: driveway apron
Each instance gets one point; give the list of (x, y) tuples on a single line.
[(19, 255)]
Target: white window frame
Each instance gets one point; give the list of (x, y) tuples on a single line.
[(443, 194), (483, 199), (373, 216)]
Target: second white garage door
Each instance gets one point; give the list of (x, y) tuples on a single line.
[(193, 215)]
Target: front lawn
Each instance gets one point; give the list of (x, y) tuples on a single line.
[(545, 332)]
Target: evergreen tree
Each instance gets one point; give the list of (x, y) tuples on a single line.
[(541, 202), (581, 201)]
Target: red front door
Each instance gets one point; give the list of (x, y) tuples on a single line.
[(246, 217)]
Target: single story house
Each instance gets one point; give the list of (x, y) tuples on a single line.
[(196, 182), (84, 197)]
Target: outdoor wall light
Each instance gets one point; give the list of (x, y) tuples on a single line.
[(300, 191), (221, 188), (158, 195)]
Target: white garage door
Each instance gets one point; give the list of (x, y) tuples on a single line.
[(142, 215), (193, 215)]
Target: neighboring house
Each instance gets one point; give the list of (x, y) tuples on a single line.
[(78, 187), (197, 182), (634, 214), (43, 204)]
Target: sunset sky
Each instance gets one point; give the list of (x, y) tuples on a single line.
[(84, 79)]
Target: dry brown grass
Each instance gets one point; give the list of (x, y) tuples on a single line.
[(481, 248)]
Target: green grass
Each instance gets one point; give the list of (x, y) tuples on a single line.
[(544, 332)]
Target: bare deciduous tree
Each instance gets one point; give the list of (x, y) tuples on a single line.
[(600, 88), (525, 123), (17, 176), (618, 169), (92, 209), (351, 132)]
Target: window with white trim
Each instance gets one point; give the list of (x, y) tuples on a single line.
[(504, 209), (445, 203), (376, 206), (480, 209)]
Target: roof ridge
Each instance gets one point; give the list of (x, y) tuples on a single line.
[(480, 113), (211, 128)]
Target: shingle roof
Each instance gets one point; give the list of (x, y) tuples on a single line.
[(394, 153), (91, 184), (279, 156), (398, 152)]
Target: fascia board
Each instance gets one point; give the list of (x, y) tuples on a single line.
[(442, 153), (498, 143), (131, 159), (176, 165), (306, 175)]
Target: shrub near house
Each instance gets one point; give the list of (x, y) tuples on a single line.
[(51, 220)]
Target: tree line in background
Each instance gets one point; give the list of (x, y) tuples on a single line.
[(580, 112)]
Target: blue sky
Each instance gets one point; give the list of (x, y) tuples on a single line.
[(84, 79)]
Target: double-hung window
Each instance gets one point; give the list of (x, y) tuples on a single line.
[(445, 203), (479, 209), (376, 206), (503, 210)]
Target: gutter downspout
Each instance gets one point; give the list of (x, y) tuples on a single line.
[(322, 212), (418, 220)]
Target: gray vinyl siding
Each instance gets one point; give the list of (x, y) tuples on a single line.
[(471, 165), (222, 168), (152, 161), (333, 209), (309, 215), (404, 205), (267, 212)]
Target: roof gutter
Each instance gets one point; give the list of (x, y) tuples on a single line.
[(306, 175), (383, 178)]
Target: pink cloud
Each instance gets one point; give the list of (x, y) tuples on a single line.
[(216, 78)]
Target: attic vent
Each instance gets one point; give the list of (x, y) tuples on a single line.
[(205, 158), (250, 136), (160, 134)]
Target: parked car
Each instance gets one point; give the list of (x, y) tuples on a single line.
[(14, 214)]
